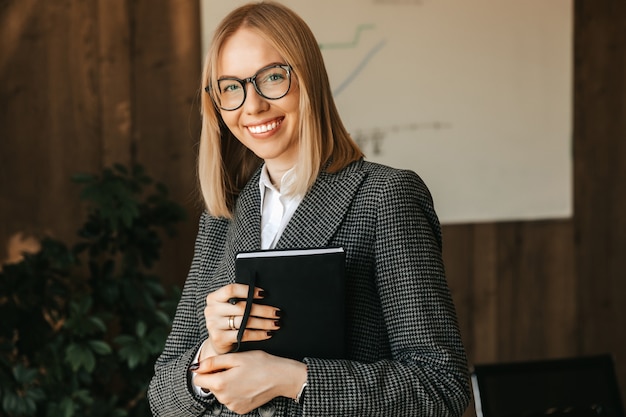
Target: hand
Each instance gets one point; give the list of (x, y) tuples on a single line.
[(246, 380), (220, 313)]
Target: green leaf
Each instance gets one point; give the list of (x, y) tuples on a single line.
[(10, 403), (131, 354), (100, 347), (98, 324), (155, 288), (36, 394), (80, 356), (133, 350), (120, 168), (66, 407), (80, 322), (24, 375), (127, 216), (29, 406), (23, 403), (140, 329), (124, 340), (163, 317), (83, 396), (118, 412)]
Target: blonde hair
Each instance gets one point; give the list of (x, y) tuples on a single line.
[(224, 164)]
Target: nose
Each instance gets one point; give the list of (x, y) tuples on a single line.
[(254, 103)]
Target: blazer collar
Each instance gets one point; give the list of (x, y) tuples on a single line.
[(316, 219), (322, 210), (247, 225)]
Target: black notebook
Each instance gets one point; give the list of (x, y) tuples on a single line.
[(308, 286)]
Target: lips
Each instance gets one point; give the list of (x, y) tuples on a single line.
[(265, 127)]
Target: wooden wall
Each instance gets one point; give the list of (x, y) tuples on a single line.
[(88, 83), (600, 178)]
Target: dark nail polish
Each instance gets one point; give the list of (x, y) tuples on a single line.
[(262, 293), (270, 333), (277, 323), (279, 313), (194, 366)]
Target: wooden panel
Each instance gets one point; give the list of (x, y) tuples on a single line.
[(485, 292), (115, 80), (50, 113), (166, 68), (515, 289), (600, 176), (550, 292), (89, 84), (458, 260)]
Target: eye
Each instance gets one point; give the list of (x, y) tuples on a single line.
[(273, 77), (229, 86)]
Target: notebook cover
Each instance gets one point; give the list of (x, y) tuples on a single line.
[(308, 285)]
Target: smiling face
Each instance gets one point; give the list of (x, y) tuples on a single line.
[(269, 128)]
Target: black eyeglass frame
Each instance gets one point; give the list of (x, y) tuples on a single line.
[(252, 80)]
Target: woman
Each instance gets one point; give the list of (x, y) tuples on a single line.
[(278, 170)]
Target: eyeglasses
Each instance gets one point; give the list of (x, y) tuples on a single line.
[(271, 82)]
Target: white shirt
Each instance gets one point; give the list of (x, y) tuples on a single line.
[(276, 211), (277, 207)]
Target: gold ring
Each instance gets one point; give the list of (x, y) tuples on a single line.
[(231, 323)]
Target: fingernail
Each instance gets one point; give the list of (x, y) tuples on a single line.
[(270, 333), (194, 366), (277, 323), (279, 313), (262, 293)]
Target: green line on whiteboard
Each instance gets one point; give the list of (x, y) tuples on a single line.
[(345, 45)]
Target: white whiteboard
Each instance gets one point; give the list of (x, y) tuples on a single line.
[(473, 95)]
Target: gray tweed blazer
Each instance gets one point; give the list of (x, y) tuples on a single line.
[(405, 355)]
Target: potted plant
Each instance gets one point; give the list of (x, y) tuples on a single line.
[(82, 326)]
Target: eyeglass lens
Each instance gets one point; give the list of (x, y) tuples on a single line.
[(271, 83)]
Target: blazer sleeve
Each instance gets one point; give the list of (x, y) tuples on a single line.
[(427, 372), (170, 393)]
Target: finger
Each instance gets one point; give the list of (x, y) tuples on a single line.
[(212, 365), (250, 335), (254, 323), (261, 317), (232, 323), (223, 341), (264, 311), (257, 310), (234, 292)]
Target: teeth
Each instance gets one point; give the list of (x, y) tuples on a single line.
[(264, 128)]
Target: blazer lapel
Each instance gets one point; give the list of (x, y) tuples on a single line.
[(244, 231), (322, 210), (247, 227)]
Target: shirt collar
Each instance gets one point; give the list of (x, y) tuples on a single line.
[(286, 182)]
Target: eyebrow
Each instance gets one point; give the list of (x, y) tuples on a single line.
[(224, 77)]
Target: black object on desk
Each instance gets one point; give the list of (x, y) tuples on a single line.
[(568, 387)]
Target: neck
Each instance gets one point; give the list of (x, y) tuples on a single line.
[(276, 175)]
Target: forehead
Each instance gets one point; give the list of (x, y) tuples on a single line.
[(244, 53)]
